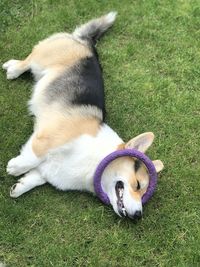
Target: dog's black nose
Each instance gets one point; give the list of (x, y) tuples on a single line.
[(137, 215)]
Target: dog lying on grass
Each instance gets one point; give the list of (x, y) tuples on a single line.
[(70, 136)]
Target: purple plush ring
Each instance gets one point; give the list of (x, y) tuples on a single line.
[(121, 153)]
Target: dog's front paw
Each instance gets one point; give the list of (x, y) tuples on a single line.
[(12, 67), (16, 166)]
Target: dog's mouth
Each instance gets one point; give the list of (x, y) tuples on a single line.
[(119, 189)]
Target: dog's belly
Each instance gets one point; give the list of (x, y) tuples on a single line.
[(60, 171), (72, 166)]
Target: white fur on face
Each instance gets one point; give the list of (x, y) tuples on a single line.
[(122, 169), (131, 205)]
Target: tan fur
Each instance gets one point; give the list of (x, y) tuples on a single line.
[(125, 166), (23, 65), (121, 164), (55, 53), (143, 178), (121, 146), (55, 129), (135, 194), (60, 51)]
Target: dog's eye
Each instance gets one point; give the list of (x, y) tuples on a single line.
[(137, 165), (138, 186)]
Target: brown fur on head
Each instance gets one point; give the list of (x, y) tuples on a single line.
[(130, 177)]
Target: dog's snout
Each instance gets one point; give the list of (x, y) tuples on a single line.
[(137, 215)]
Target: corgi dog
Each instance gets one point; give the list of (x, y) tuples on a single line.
[(70, 136)]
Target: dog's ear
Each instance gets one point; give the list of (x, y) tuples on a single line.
[(141, 142), (158, 165)]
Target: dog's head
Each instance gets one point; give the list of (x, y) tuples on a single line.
[(125, 180)]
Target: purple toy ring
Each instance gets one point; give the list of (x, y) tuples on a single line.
[(121, 153)]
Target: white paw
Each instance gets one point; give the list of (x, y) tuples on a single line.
[(16, 190), (12, 68), (16, 166), (9, 63)]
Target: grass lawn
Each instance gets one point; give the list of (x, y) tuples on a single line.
[(151, 62)]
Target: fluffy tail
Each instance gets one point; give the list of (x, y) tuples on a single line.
[(94, 29)]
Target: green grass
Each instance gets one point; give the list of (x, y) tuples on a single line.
[(151, 62)]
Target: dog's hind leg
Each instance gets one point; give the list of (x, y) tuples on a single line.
[(51, 132), (26, 183), (15, 67)]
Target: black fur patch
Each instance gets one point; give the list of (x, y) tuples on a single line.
[(82, 84), (91, 85)]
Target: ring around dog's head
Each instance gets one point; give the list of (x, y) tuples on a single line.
[(125, 179)]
